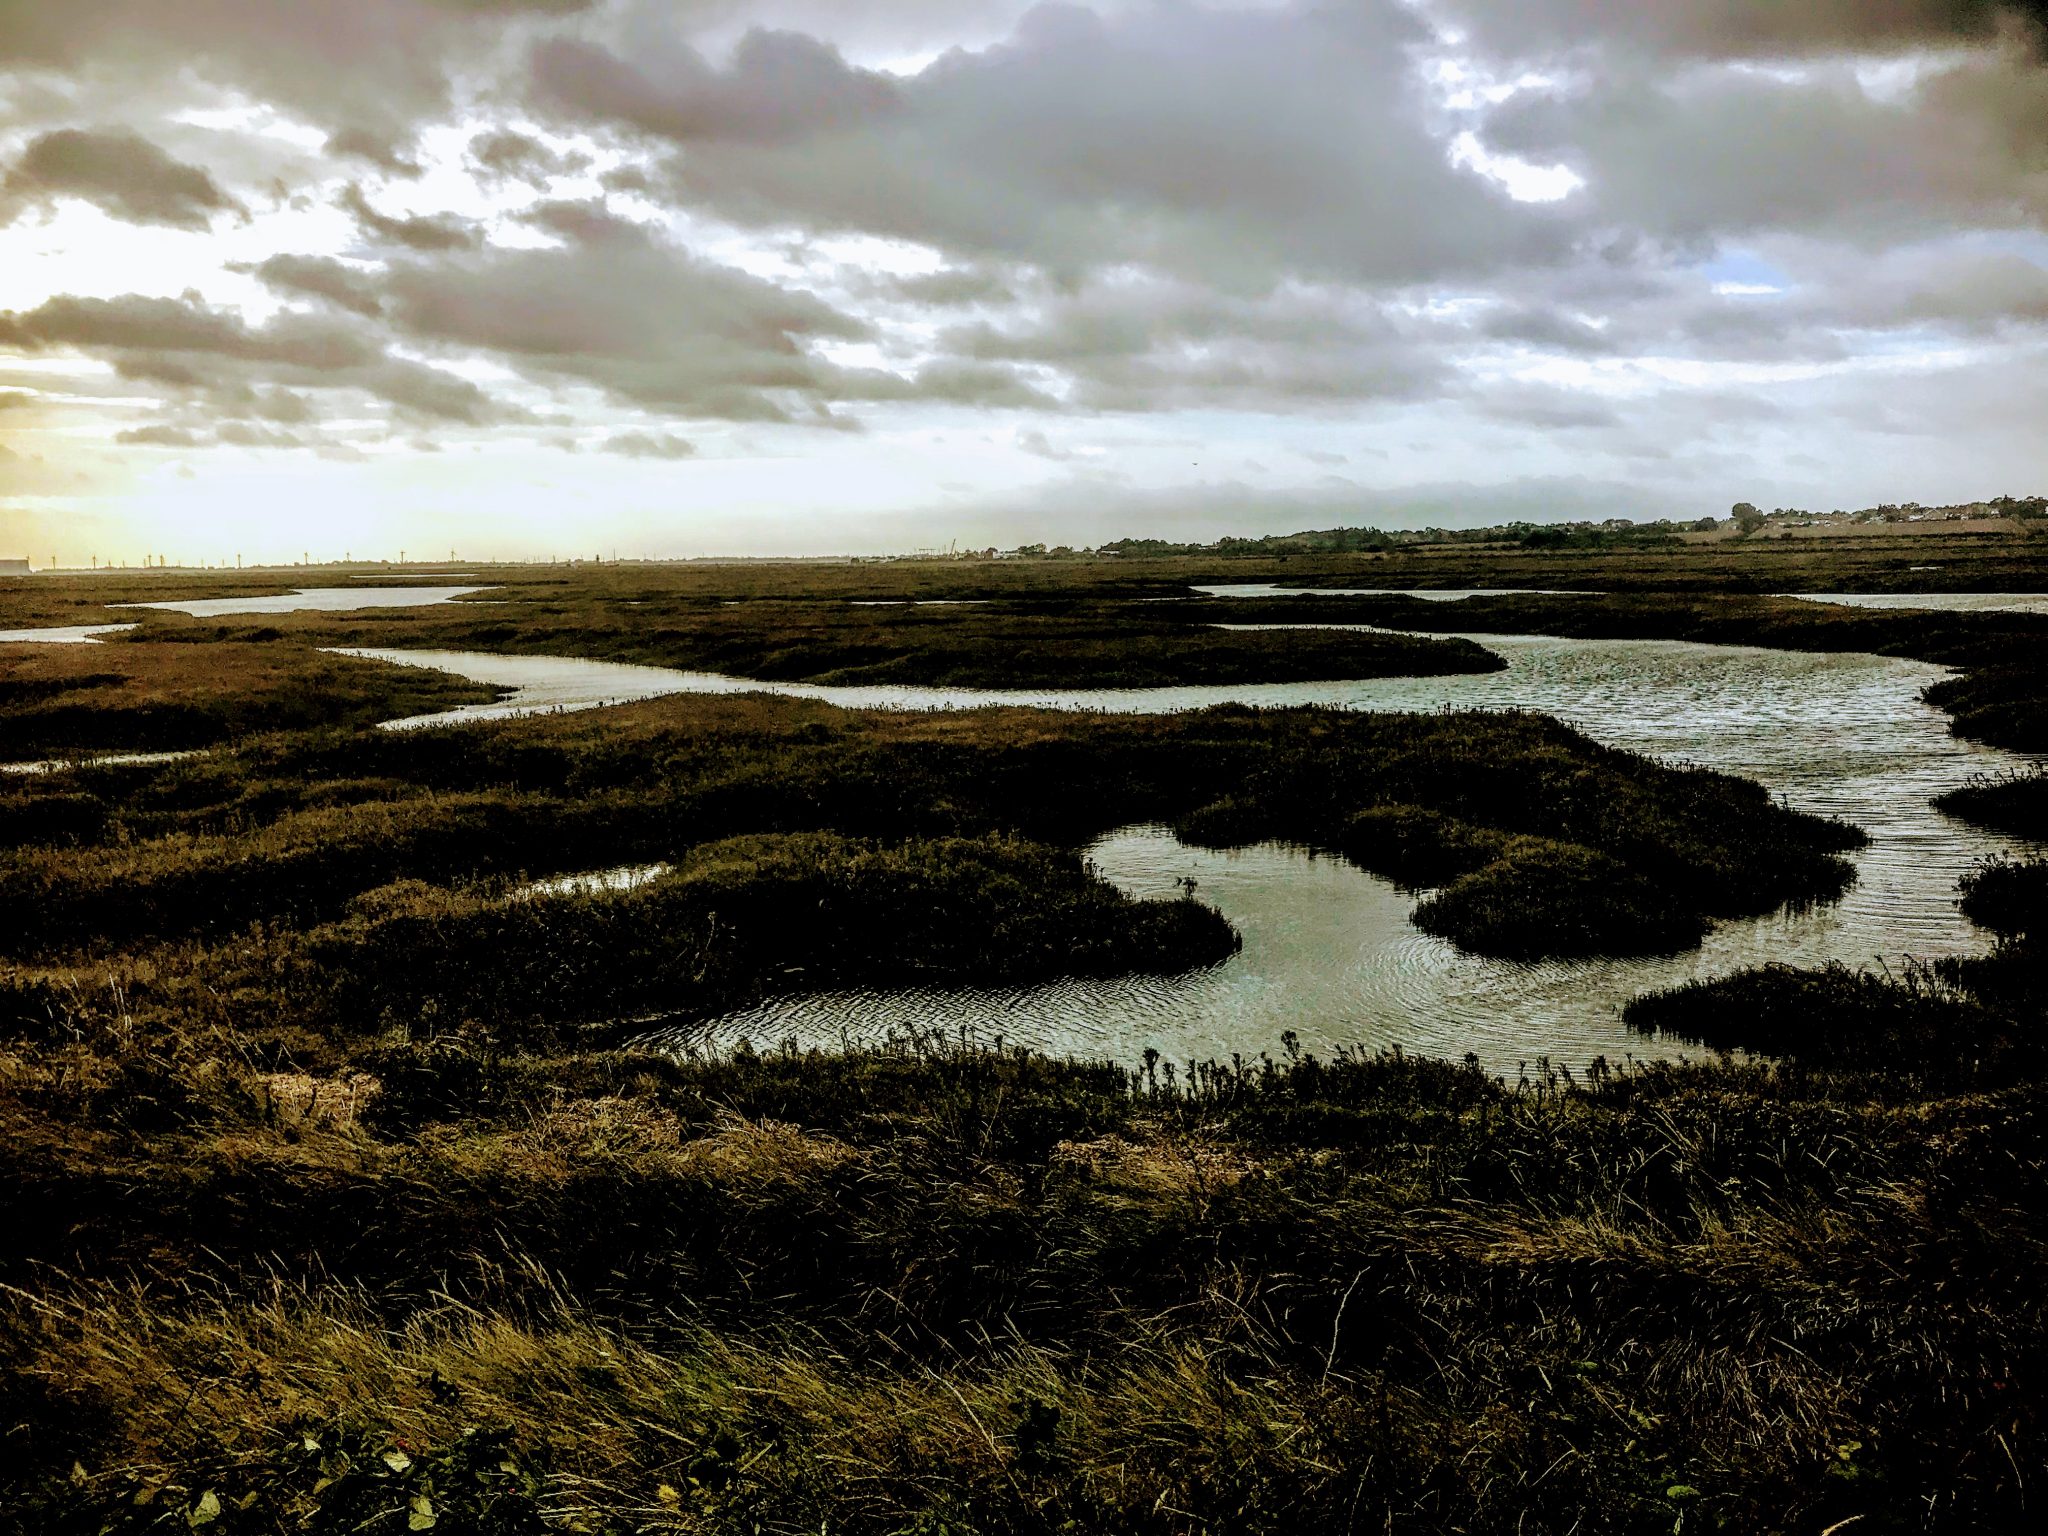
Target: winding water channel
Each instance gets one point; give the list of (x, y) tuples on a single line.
[(1329, 951)]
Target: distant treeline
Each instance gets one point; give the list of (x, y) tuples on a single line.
[(1612, 533)]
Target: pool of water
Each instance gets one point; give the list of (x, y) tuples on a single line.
[(69, 634), (311, 600), (101, 760), (1425, 594), (628, 877), (1945, 602), (1329, 950)]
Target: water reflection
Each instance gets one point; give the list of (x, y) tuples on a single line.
[(628, 877)]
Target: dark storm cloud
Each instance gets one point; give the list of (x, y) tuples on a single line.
[(619, 306), (778, 87), (370, 67), (116, 170), (952, 286), (1723, 154), (135, 325), (381, 150), (1546, 328), (1159, 345)]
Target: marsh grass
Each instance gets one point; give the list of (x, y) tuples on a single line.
[(296, 828), (972, 1289), (742, 917), (2015, 803), (1947, 1026), (57, 701), (295, 1241)]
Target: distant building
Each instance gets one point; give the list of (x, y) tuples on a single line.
[(13, 567)]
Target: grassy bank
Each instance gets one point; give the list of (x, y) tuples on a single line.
[(1964, 1021), (993, 1293), (61, 700)]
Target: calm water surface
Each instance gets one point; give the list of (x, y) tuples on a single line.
[(1329, 950), (1425, 594), (70, 634), (1945, 602), (312, 600), (99, 760)]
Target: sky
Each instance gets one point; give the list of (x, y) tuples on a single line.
[(544, 278)]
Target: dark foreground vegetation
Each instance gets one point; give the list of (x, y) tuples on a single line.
[(972, 1290)]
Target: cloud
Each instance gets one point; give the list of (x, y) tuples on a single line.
[(375, 149), (116, 170), (507, 154), (778, 87), (1744, 29), (424, 232), (320, 277), (370, 68), (1150, 344), (649, 445), (160, 437), (200, 352), (953, 286), (620, 307), (1227, 144), (1714, 155)]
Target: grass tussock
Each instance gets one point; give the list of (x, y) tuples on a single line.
[(1945, 1026), (1539, 898), (2013, 803)]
